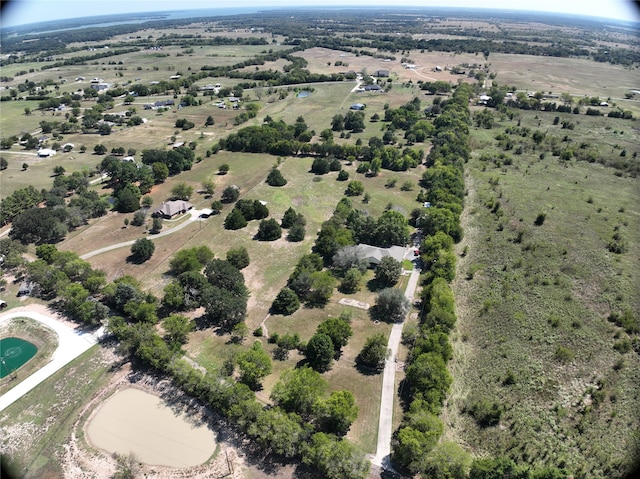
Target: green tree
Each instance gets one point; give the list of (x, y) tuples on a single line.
[(142, 249), (337, 413), (160, 172), (391, 228), (339, 331), (289, 218), (269, 230), (374, 353), (322, 284), (156, 225), (335, 459), (429, 378), (181, 191), (286, 302), (354, 188), (224, 169), (128, 199), (254, 365), (351, 282), (235, 220), (298, 390), (238, 257), (176, 328), (39, 226), (388, 271), (278, 431), (296, 233), (275, 178), (208, 187), (391, 305), (415, 439), (230, 194), (319, 352), (447, 460)]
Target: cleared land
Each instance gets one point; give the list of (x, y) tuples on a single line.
[(136, 422)]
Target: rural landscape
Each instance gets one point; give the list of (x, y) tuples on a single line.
[(320, 243)]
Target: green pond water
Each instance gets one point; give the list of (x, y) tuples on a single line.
[(14, 353)]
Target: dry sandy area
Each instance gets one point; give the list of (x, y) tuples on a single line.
[(135, 421), (166, 405)]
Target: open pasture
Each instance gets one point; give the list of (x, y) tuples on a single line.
[(533, 302), (549, 74)]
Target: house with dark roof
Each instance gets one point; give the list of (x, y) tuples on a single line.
[(372, 88), (381, 73), (170, 209)]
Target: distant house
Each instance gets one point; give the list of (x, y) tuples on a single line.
[(46, 152), (129, 158), (99, 86), (374, 254), (357, 106), (604, 103), (372, 88), (437, 69), (171, 208), (381, 73)]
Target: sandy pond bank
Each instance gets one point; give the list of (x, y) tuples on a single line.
[(142, 423)]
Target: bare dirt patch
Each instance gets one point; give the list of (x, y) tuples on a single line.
[(81, 460)]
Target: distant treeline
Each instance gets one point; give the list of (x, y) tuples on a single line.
[(319, 28)]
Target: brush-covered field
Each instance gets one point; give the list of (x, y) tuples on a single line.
[(537, 291)]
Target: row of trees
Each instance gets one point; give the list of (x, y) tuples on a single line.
[(415, 446)]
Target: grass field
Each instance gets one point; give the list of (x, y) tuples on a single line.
[(32, 436), (533, 302)]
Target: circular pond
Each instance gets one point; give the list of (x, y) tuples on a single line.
[(14, 353), (134, 421)]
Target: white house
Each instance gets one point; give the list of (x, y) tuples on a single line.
[(46, 152)]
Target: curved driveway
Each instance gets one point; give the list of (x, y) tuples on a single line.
[(71, 344), (194, 215)]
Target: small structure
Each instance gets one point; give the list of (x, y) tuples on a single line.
[(171, 208), (374, 254), (26, 288), (357, 106), (46, 152), (381, 73), (604, 103), (437, 69), (129, 158), (372, 88), (99, 86)]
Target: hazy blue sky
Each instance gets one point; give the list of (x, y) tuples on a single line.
[(30, 11)]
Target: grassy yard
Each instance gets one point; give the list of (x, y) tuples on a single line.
[(33, 436), (533, 302)]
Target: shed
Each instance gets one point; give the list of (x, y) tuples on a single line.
[(357, 106)]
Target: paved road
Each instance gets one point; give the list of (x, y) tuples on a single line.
[(71, 344), (385, 425), (194, 216)]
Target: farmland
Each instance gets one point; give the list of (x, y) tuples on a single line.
[(546, 263)]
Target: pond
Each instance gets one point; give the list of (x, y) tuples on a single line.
[(304, 93), (135, 421), (14, 353)]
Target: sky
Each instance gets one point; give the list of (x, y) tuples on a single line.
[(19, 12)]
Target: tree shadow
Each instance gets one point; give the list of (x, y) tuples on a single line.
[(366, 370), (374, 285)]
